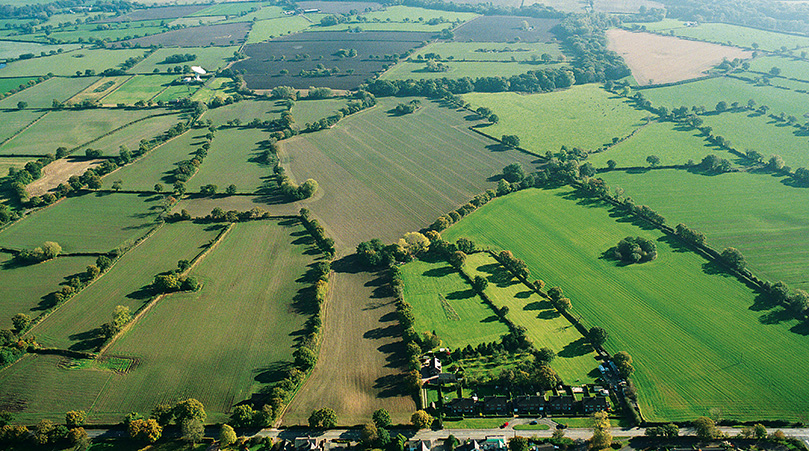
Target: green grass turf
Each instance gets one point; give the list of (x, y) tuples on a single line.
[(11, 162), (199, 207), (7, 84), (415, 70), (209, 58), (227, 9), (708, 93), (12, 121), (531, 427), (140, 87), (232, 160), (737, 35), (154, 167), (176, 92), (460, 51), (381, 26), (695, 340), (267, 12), (74, 324), (68, 63), (790, 67), (306, 111), (583, 116), (131, 135), (672, 143), (89, 223), (444, 303), (24, 287), (575, 361), (476, 423), (756, 213), (401, 13), (272, 28), (246, 111), (69, 129), (43, 94)]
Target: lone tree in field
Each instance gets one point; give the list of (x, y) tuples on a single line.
[(75, 418), (597, 336), (653, 160), (190, 409), (421, 419), (510, 140)]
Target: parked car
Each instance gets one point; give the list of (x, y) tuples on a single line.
[(533, 422), (504, 425)]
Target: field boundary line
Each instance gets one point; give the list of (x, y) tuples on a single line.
[(148, 306), (144, 155), (119, 128), (31, 124), (100, 99)]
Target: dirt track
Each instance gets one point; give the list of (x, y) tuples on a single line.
[(665, 59)]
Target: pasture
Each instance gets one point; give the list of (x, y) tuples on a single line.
[(69, 129), (43, 94), (266, 12), (666, 59), (163, 12), (93, 222), (488, 51), (696, 342), (246, 111), (66, 64), (7, 163), (624, 6), (131, 135), (399, 13), (306, 111), (329, 7), (209, 58), (222, 35), (416, 70), (25, 287), (582, 116), (376, 157), (506, 29), (790, 67), (57, 172), (199, 207), (265, 30), (94, 92), (7, 84), (444, 303), (383, 26), (116, 32), (736, 35), (76, 324), (672, 143), (140, 87), (226, 9), (755, 213), (233, 159), (575, 359), (12, 121), (176, 91), (156, 165), (13, 49)]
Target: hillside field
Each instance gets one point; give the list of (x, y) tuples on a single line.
[(695, 340)]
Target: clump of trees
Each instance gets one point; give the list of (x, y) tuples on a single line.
[(323, 418), (49, 250), (635, 250), (407, 108), (293, 191)]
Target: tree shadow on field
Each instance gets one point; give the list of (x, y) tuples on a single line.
[(762, 302), (382, 332), (801, 328), (675, 244), (576, 348), (391, 385), (538, 305), (549, 314), (490, 319), (497, 275), (395, 355), (713, 268), (524, 294), (271, 373), (775, 316), (461, 294), (87, 341), (497, 147)]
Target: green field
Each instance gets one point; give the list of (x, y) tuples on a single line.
[(672, 143), (119, 31), (734, 34), (695, 340), (140, 87), (131, 135), (88, 223), (227, 9), (755, 213), (416, 70), (176, 91), (267, 12), (445, 304), (67, 63), (11, 162), (382, 26), (24, 287), (400, 13), (7, 84), (43, 94), (75, 325), (155, 166), (245, 111), (583, 116), (12, 121), (209, 58), (793, 68), (69, 129), (232, 160), (575, 361), (13, 49), (496, 51), (99, 88), (709, 92), (272, 28), (306, 111), (199, 207)]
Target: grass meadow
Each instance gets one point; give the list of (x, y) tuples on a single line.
[(232, 159), (209, 58), (445, 304), (100, 88), (7, 84), (495, 51), (307, 111), (672, 143), (12, 121), (43, 94), (227, 9), (790, 67), (696, 342), (131, 135), (272, 28), (582, 116), (175, 91), (416, 70), (24, 287), (575, 359), (67, 63), (156, 165), (400, 13), (755, 213), (140, 87), (11, 162), (722, 33), (70, 129), (245, 111), (76, 324), (267, 12), (94, 222)]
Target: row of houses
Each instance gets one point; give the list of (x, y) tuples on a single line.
[(562, 404)]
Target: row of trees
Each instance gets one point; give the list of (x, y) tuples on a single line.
[(46, 432), (317, 231)]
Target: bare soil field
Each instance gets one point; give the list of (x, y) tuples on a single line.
[(505, 29), (665, 59), (360, 366), (221, 34), (58, 172)]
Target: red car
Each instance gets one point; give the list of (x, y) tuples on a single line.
[(504, 425)]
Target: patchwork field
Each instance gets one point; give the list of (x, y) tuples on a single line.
[(245, 111), (199, 207), (575, 359), (94, 92), (264, 30), (58, 172), (488, 51), (665, 59), (7, 84), (77, 323), (445, 304), (505, 29), (43, 94), (222, 35), (156, 165), (67, 63), (25, 287), (13, 49), (88, 223), (730, 34), (416, 70), (130, 136), (688, 357), (140, 87), (313, 110), (7, 163), (583, 116), (754, 213), (789, 67), (232, 159), (375, 157), (13, 121), (209, 58)]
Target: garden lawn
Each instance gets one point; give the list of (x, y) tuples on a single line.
[(69, 129), (582, 116), (733, 34), (76, 324), (24, 287), (495, 51), (67, 63), (695, 340), (43, 94), (209, 58), (140, 87), (156, 165), (672, 143), (575, 359), (755, 213), (232, 159), (445, 304), (416, 70), (94, 222)]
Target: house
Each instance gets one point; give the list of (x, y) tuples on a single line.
[(496, 405), (433, 367), (306, 444), (594, 404), (560, 404), (529, 404), (470, 445), (494, 443), (446, 378), (461, 406), (419, 445)]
